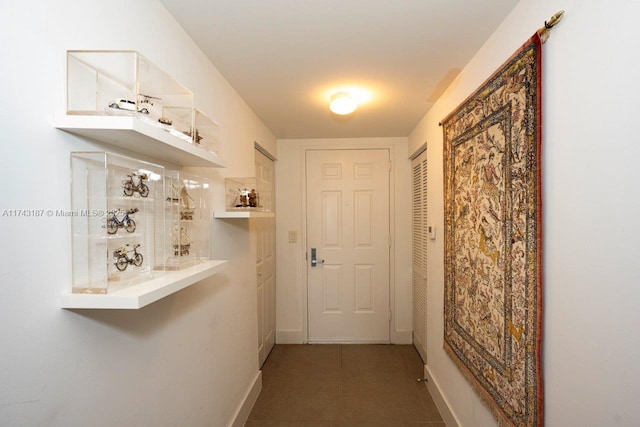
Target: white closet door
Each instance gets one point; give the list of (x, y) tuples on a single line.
[(265, 258), (420, 236)]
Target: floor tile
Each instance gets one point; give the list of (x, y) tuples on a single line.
[(308, 360), (269, 423), (412, 360), (381, 402), (433, 415), (296, 408), (343, 385)]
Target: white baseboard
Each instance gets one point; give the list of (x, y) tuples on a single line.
[(296, 336), (419, 345), (402, 336), (290, 336), (242, 414), (441, 402)]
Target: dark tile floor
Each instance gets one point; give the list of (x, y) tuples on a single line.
[(343, 385)]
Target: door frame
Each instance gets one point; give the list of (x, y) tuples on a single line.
[(348, 144)]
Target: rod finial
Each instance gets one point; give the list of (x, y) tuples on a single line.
[(548, 25)]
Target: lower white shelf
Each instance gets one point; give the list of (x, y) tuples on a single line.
[(165, 283)]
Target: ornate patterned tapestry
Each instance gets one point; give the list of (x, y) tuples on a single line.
[(493, 253)]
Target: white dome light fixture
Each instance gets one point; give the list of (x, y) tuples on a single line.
[(342, 103)]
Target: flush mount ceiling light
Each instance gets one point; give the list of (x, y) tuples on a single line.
[(342, 103)]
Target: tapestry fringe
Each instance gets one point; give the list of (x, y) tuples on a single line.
[(489, 403)]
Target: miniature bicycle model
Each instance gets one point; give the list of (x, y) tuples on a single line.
[(113, 223), (122, 257), (129, 186)]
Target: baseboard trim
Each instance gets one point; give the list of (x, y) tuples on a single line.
[(347, 342), (402, 336), (441, 402), (419, 345), (289, 336), (296, 336), (242, 414)]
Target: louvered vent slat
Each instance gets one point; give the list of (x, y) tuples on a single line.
[(419, 253)]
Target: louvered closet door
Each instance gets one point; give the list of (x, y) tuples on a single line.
[(419, 273)]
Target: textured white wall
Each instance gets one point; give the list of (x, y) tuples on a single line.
[(591, 204), (188, 359), (291, 265)]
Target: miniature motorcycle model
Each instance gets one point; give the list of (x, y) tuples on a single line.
[(113, 223), (129, 186), (122, 257)]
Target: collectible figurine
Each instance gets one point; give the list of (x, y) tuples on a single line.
[(126, 104), (243, 195), (122, 257), (186, 208), (129, 105), (146, 99), (181, 241), (253, 199), (173, 198), (130, 187), (165, 121), (113, 223), (197, 138)]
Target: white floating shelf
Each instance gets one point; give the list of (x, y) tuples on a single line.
[(132, 133), (243, 214), (165, 283)]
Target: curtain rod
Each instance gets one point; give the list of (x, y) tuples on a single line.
[(544, 31), (548, 25)]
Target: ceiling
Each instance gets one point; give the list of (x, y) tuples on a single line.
[(286, 57)]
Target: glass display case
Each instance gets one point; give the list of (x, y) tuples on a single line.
[(243, 194), (184, 239), (178, 122), (126, 83), (207, 132), (114, 205)]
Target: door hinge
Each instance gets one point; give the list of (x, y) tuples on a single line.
[(390, 163), (390, 242), (390, 315), (306, 256)]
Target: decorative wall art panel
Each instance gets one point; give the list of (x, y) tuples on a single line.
[(493, 253)]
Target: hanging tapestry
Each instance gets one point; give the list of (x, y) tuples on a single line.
[(493, 252)]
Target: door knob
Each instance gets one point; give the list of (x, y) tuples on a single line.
[(314, 261)]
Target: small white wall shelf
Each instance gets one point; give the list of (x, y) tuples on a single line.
[(243, 214), (134, 134), (138, 296)]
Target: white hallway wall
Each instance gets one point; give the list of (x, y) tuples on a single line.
[(291, 266), (591, 204), (188, 359)]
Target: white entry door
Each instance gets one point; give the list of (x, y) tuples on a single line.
[(348, 226)]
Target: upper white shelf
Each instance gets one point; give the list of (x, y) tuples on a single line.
[(138, 296), (133, 134), (243, 214)]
